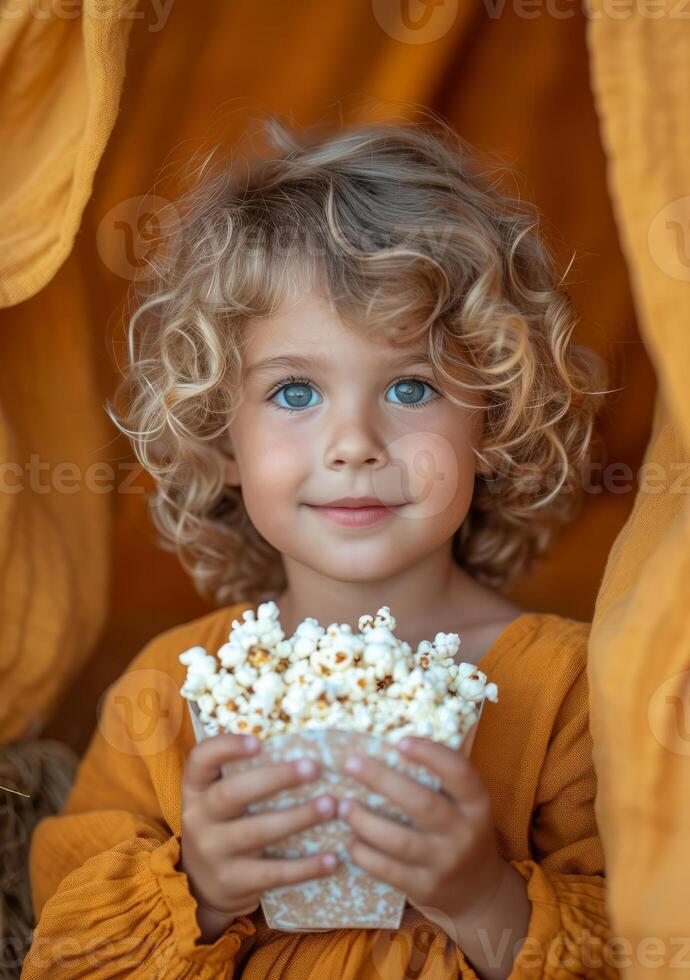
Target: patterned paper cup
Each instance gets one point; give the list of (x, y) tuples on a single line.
[(348, 898)]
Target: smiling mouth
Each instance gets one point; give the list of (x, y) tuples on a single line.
[(356, 516)]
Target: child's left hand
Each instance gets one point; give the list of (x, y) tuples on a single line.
[(447, 862)]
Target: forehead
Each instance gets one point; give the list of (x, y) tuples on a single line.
[(291, 361), (307, 332)]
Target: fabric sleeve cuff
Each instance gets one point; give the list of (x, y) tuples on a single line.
[(182, 906)]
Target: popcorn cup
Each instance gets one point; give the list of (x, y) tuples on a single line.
[(349, 897)]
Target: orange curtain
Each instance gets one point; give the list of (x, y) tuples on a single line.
[(639, 659), (60, 79)]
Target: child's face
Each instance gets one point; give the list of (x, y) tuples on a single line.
[(352, 432)]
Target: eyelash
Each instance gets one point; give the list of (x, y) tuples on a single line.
[(304, 381)]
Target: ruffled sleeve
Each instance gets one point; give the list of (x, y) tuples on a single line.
[(128, 911), (108, 894), (569, 932)]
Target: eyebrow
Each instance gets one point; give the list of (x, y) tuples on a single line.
[(298, 362)]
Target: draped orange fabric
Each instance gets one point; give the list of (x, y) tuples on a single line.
[(111, 901), (82, 582), (640, 642)]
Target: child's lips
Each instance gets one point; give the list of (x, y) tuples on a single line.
[(356, 516)]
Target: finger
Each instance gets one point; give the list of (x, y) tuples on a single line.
[(266, 873), (428, 809), (382, 866), (253, 833), (204, 762), (394, 839), (458, 776), (230, 796)]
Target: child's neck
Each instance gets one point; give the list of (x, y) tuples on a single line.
[(458, 604)]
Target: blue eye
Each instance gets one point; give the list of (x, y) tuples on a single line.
[(410, 388), (297, 393)]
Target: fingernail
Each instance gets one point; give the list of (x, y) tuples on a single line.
[(305, 767), (324, 804), (330, 860), (344, 808), (353, 763), (405, 744), (251, 742)]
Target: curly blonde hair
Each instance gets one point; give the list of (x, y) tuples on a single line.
[(400, 227)]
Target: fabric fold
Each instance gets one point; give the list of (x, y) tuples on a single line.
[(135, 916)]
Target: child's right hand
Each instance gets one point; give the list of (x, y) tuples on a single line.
[(222, 846)]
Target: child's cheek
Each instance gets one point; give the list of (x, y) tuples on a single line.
[(432, 471), (275, 470)]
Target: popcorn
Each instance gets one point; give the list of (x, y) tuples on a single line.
[(261, 682)]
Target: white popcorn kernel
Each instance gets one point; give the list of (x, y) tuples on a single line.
[(380, 635), (199, 661), (471, 689), (268, 610), (304, 646), (268, 688), (298, 672), (365, 623), (225, 688), (194, 686), (246, 675), (384, 618), (336, 656), (207, 706), (447, 644), (231, 655), (380, 657), (225, 716), (193, 653)]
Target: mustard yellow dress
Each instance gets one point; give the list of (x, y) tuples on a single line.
[(110, 901)]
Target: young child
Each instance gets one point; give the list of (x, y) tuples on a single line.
[(358, 315)]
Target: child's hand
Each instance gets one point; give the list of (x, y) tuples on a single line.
[(446, 863), (222, 848)]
